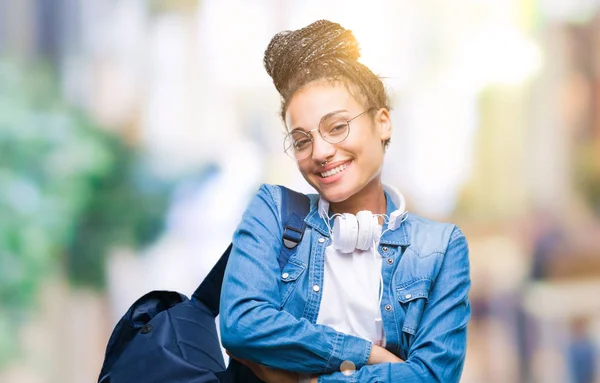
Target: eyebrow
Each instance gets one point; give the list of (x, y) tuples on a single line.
[(322, 118)]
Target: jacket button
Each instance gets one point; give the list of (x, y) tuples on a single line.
[(321, 240), (408, 296), (390, 261), (146, 329), (316, 288), (384, 248), (388, 307), (285, 275)]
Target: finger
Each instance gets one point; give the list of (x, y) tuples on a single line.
[(254, 367), (233, 356), (245, 362)]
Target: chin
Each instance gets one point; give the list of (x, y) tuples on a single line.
[(334, 197), (336, 192), (333, 194)]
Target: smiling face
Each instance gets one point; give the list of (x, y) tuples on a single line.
[(353, 165)]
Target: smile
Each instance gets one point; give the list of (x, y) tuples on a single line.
[(334, 171)]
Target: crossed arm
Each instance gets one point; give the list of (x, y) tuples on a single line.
[(272, 375), (254, 330)]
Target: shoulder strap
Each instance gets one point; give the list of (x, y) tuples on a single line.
[(294, 208), (209, 291)]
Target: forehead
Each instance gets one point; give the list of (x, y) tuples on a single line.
[(311, 102)]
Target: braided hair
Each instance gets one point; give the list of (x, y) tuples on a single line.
[(323, 50)]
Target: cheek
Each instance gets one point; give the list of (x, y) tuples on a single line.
[(371, 155), (368, 147), (305, 172)]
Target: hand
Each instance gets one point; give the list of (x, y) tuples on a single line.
[(268, 374), (381, 355)]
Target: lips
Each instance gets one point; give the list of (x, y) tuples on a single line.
[(333, 169)]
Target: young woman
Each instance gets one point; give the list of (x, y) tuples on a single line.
[(373, 293)]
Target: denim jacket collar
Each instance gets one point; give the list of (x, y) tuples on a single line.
[(398, 237)]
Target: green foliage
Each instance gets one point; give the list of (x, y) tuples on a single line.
[(164, 6), (68, 193), (587, 173)]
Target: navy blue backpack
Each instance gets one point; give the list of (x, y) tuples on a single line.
[(166, 337)]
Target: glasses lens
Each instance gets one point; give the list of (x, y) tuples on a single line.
[(298, 144), (334, 129)]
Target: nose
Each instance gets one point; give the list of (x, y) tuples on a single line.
[(322, 150)]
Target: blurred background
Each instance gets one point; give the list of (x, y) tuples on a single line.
[(134, 132)]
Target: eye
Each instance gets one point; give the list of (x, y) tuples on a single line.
[(302, 144), (336, 128)]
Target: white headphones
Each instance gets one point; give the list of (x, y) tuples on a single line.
[(360, 231), (355, 232)]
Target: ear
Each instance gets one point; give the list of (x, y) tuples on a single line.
[(384, 124)]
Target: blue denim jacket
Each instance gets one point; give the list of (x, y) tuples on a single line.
[(269, 316)]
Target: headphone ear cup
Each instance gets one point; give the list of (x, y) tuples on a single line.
[(365, 230), (336, 232), (377, 229), (345, 233)]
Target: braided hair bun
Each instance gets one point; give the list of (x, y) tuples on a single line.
[(321, 50), (319, 42)]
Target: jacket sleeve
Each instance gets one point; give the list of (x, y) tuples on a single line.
[(438, 350), (251, 324)]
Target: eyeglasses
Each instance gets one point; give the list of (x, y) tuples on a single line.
[(334, 129)]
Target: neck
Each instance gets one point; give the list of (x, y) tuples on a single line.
[(371, 198)]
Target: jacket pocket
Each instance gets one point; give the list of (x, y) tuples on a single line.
[(413, 296), (289, 277)]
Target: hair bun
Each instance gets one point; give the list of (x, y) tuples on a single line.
[(321, 41)]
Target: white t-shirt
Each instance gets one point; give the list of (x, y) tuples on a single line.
[(351, 290), (352, 286)]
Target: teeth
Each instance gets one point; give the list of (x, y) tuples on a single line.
[(333, 171)]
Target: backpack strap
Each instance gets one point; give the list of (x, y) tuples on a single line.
[(209, 291), (294, 208)]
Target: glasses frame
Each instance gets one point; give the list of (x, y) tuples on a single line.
[(290, 151)]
